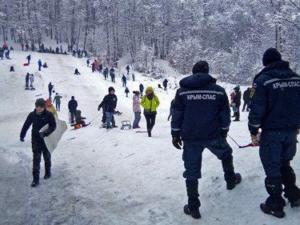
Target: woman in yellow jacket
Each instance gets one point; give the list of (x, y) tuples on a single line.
[(150, 102)]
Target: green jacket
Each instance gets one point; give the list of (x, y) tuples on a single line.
[(57, 99), (150, 105)]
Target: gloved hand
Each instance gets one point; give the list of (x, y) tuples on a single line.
[(255, 139), (176, 141), (21, 139), (44, 134), (99, 108)]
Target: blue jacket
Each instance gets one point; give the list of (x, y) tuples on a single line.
[(201, 109), (276, 101)]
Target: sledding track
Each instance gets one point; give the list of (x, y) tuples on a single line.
[(116, 177)]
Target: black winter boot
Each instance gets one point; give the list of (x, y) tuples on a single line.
[(35, 182), (267, 210), (275, 203), (193, 213), (47, 174), (291, 191), (231, 178), (192, 208), (230, 185), (149, 133)]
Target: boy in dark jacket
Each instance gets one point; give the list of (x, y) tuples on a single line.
[(275, 109), (109, 104), (201, 119), (38, 119)]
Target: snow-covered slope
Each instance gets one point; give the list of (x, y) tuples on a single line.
[(116, 177)]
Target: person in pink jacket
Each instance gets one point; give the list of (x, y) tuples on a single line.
[(136, 109)]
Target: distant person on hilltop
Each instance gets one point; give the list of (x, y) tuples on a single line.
[(40, 64)]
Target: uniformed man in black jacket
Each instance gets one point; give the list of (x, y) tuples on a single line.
[(275, 109), (201, 118), (38, 119)]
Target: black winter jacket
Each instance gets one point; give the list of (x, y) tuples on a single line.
[(276, 101), (201, 109), (38, 121), (109, 103)]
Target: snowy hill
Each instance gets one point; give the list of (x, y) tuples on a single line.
[(116, 177)]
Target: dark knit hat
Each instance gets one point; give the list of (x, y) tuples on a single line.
[(40, 102), (111, 89), (270, 56), (201, 67)]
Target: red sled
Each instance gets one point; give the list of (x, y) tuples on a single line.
[(26, 64)]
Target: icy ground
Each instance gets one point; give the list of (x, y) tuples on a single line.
[(116, 177)]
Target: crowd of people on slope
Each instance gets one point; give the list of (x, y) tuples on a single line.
[(26, 46)]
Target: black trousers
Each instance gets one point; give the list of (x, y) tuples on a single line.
[(39, 148), (150, 120), (72, 115)]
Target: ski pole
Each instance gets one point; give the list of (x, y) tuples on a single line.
[(234, 141), (241, 146)]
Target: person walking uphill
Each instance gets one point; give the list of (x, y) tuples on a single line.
[(72, 105), (201, 119), (50, 89), (38, 119), (275, 109), (150, 102), (57, 100)]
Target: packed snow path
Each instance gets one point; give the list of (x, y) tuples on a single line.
[(116, 177)]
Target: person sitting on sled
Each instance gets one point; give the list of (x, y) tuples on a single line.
[(79, 120)]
